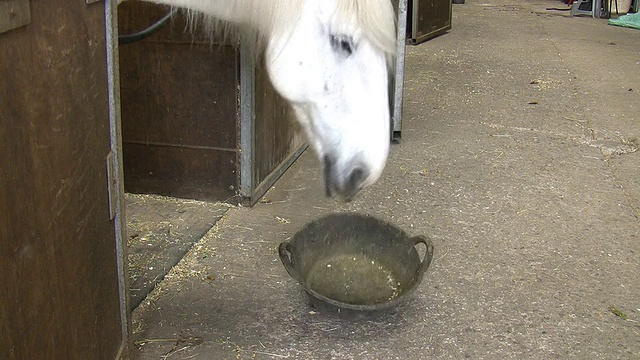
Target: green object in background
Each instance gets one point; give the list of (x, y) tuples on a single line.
[(629, 20)]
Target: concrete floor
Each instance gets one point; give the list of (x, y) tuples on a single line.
[(518, 158), (160, 231)]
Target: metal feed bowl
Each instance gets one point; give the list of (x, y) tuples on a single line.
[(355, 262)]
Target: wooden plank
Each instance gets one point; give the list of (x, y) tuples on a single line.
[(14, 14), (180, 172), (183, 95), (276, 135), (59, 280)]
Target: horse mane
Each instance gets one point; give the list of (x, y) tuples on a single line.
[(255, 20)]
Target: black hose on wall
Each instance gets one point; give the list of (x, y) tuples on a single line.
[(135, 37)]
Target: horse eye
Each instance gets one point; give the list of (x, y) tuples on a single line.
[(344, 44)]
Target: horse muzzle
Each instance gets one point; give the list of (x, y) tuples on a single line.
[(346, 182)]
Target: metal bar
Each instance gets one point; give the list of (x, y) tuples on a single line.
[(399, 71), (112, 185), (113, 78), (284, 165), (247, 119)]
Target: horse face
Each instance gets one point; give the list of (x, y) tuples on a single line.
[(337, 82)]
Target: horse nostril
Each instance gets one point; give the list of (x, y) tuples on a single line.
[(344, 183), (355, 180)]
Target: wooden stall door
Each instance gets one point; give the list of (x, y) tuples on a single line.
[(59, 288), (428, 19)]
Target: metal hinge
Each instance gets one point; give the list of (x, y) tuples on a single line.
[(112, 185)]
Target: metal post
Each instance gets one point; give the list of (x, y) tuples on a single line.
[(247, 120), (113, 78), (398, 78)]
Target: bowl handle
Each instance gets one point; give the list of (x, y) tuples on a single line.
[(428, 255), (284, 250)]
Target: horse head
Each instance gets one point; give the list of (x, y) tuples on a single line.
[(332, 65)]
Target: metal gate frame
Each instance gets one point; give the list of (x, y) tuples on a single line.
[(117, 177), (397, 83)]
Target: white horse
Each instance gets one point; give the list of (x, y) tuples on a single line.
[(329, 59)]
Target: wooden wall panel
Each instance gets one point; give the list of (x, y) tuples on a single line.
[(180, 105), (275, 129), (58, 281), (179, 109), (180, 172), (178, 94)]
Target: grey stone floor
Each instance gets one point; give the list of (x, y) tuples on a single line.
[(518, 158), (160, 231)]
